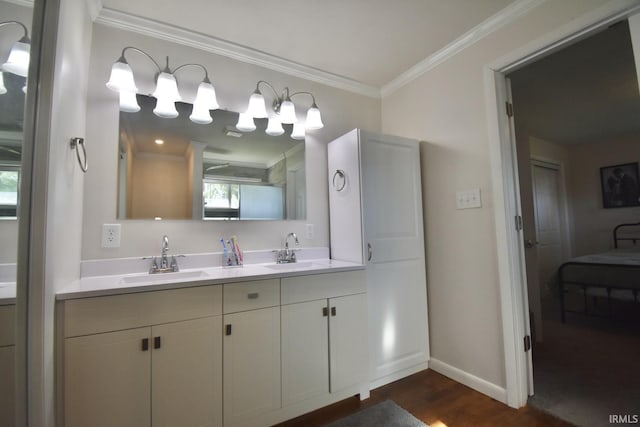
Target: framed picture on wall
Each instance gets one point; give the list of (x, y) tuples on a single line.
[(620, 185)]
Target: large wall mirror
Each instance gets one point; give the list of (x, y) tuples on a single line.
[(177, 169)]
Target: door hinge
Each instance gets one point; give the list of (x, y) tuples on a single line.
[(509, 109), (527, 343), (518, 222)]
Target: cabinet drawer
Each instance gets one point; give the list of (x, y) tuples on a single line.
[(127, 311), (320, 286), (252, 295), (7, 324)]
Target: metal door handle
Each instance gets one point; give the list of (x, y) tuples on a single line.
[(369, 251), (529, 244)]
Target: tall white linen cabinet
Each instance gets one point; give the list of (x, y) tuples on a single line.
[(375, 201)]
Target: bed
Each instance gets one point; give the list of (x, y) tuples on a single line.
[(611, 275)]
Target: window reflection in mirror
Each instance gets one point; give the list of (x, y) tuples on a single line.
[(176, 169)]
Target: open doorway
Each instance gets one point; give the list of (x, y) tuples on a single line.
[(576, 114)]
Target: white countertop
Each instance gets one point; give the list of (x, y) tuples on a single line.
[(140, 282), (7, 293)]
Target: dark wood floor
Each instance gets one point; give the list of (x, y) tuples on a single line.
[(438, 402)]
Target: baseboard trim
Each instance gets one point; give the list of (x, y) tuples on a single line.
[(379, 382), (476, 383)]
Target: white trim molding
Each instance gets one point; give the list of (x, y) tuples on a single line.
[(25, 3), (495, 22), (171, 33), (483, 386)]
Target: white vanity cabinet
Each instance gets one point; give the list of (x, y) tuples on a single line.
[(144, 359), (324, 336), (7, 364), (251, 352), (375, 202)]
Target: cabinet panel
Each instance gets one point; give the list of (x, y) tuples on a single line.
[(305, 351), (108, 380), (111, 313), (7, 384), (251, 295), (187, 373), (7, 324), (322, 286), (251, 365), (348, 342)]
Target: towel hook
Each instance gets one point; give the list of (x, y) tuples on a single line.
[(339, 173), (82, 161)]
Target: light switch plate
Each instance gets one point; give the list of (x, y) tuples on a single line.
[(310, 231), (468, 199), (110, 235)]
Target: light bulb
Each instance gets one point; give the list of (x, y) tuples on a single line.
[(314, 120), (245, 123), (274, 127), (129, 102), (3, 88), (257, 108), (298, 131), (288, 112), (121, 78), (18, 61)]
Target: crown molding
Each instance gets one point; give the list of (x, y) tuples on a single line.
[(115, 19), (493, 23), (94, 7)]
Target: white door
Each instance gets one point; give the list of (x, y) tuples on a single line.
[(394, 248), (108, 379), (187, 373), (347, 343), (251, 363), (548, 216), (305, 351)]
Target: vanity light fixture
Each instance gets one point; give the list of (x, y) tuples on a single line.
[(18, 61), (166, 92), (284, 111)]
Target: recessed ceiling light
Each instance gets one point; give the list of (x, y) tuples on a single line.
[(159, 141)]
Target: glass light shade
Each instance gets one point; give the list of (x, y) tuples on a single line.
[(257, 108), (165, 108), (129, 102), (298, 131), (3, 88), (166, 88), (18, 61), (206, 97), (288, 112), (200, 114), (121, 78), (314, 120), (274, 127), (245, 123), (24, 89)]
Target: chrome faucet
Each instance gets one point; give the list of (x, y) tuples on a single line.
[(165, 266), (288, 255)]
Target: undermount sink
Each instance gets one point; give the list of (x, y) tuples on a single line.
[(164, 277), (294, 265)]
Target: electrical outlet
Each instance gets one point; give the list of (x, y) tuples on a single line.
[(110, 235), (468, 199), (310, 231)]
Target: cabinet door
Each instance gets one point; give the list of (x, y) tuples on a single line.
[(305, 351), (396, 278), (348, 341), (108, 380), (251, 365), (187, 373), (7, 384)]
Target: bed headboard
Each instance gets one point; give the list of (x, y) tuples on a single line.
[(628, 232)]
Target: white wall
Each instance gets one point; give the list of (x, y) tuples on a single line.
[(11, 34), (446, 108), (234, 82)]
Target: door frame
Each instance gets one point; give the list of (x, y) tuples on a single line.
[(510, 251)]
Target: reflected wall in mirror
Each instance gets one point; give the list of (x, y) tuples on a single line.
[(176, 169)]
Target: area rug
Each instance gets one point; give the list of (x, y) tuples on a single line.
[(384, 414)]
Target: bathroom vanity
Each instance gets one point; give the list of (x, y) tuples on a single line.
[(248, 346)]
